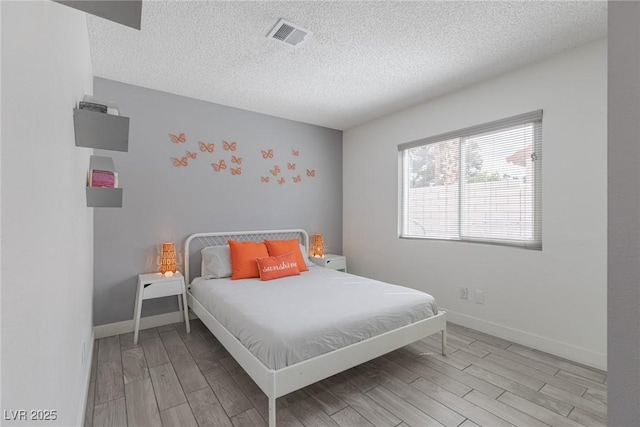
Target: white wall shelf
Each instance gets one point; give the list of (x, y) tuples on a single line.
[(104, 197), (100, 197), (101, 130), (105, 132), (127, 13)]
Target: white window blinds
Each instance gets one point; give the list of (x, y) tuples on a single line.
[(481, 184)]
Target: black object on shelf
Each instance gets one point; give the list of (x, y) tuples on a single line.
[(92, 106)]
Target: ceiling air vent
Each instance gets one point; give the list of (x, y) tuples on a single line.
[(288, 33)]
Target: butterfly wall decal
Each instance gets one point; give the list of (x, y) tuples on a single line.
[(178, 139), (275, 171), (268, 154), (230, 146), (219, 166), (311, 172), (297, 178), (295, 152), (204, 147), (281, 180), (180, 162), (265, 178), (191, 155), (236, 160), (236, 171), (291, 166)]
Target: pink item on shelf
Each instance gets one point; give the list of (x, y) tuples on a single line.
[(101, 178)]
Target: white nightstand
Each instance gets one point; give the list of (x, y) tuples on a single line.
[(334, 262), (156, 285)]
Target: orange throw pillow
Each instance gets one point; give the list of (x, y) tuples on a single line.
[(243, 258), (275, 267), (281, 247)]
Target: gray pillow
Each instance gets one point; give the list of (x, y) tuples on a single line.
[(216, 262)]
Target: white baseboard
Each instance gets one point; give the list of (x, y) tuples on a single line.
[(127, 326), (87, 380), (557, 348)]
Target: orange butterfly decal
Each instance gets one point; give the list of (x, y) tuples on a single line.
[(291, 166), (207, 147), (230, 146), (297, 178), (180, 162), (275, 171), (236, 171), (236, 160), (281, 181), (267, 154), (192, 155), (264, 178), (219, 166), (178, 139), (295, 152), (311, 172)]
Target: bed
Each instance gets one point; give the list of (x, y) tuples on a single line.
[(294, 331)]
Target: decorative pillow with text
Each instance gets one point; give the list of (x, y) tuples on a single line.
[(274, 267)]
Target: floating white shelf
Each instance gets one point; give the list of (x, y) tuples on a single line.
[(101, 130), (100, 197), (105, 132)]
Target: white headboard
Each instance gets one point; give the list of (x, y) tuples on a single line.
[(194, 244)]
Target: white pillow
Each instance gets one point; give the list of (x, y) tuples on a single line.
[(216, 262)]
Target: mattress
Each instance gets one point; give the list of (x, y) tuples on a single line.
[(288, 320)]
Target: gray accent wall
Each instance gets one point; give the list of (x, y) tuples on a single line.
[(169, 195)]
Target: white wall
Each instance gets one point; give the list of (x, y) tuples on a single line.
[(554, 299), (47, 230)]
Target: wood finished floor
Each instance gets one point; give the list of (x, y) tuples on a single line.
[(172, 378)]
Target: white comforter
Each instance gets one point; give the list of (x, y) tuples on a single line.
[(288, 320)]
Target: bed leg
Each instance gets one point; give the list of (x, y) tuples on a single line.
[(272, 412), (272, 399), (444, 342)]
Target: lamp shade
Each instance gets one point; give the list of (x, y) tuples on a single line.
[(317, 249), (168, 258)]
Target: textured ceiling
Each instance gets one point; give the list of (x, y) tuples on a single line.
[(363, 60)]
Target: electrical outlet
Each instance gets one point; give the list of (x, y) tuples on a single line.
[(464, 292), (479, 296)]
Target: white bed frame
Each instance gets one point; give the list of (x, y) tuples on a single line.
[(279, 382)]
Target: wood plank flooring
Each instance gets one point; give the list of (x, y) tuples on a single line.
[(172, 378)]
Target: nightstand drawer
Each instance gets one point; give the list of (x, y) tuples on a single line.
[(338, 263), (163, 289), (334, 262)]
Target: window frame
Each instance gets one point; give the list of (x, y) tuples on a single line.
[(534, 117)]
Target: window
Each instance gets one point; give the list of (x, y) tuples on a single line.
[(480, 184)]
